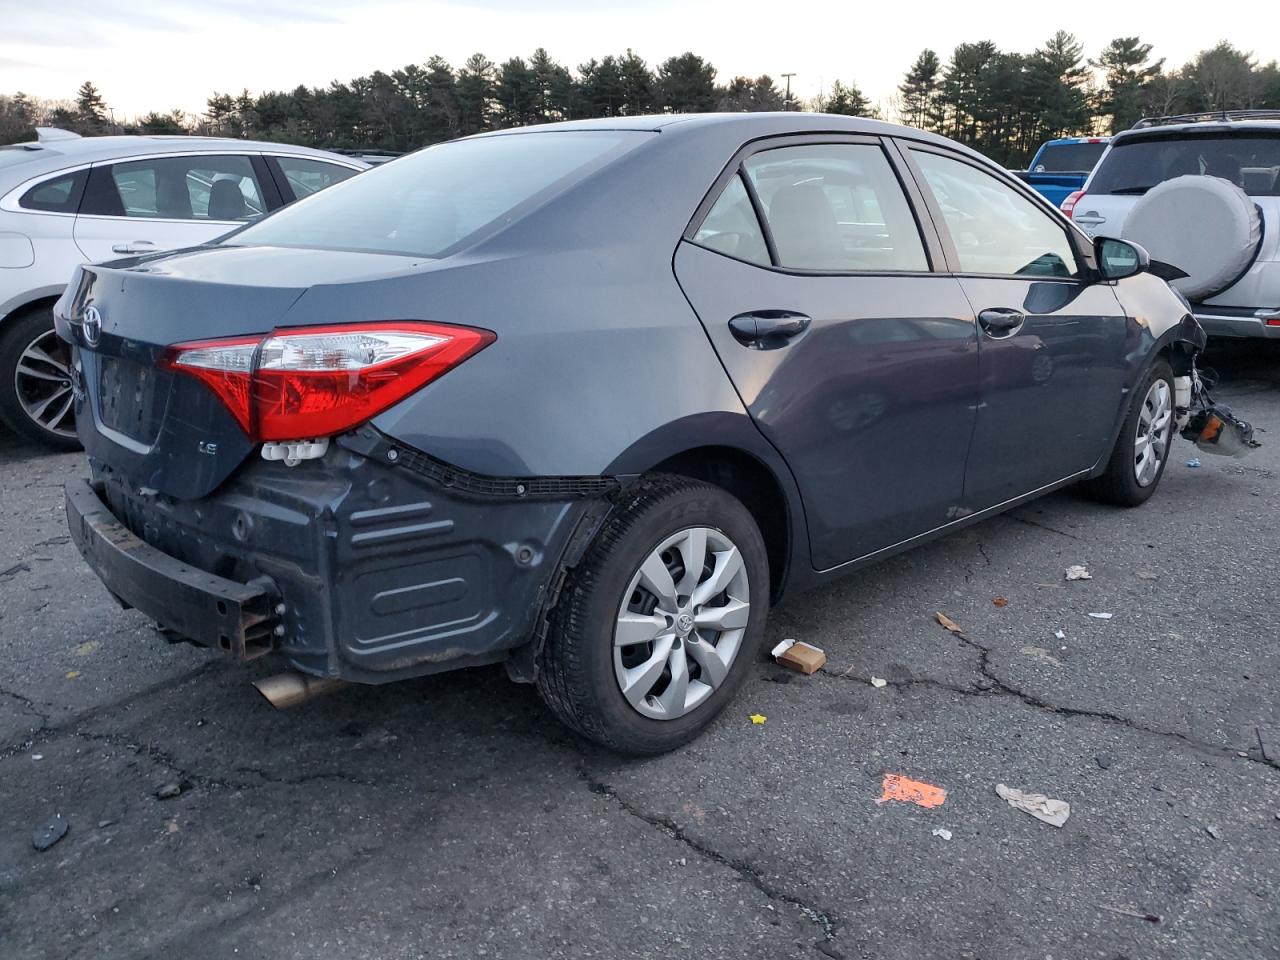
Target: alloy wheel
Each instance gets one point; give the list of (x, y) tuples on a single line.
[(42, 382), (681, 623), (1155, 421)]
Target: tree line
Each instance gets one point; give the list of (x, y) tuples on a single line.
[(1000, 102)]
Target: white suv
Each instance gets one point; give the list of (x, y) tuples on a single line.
[(66, 199), (1200, 192)]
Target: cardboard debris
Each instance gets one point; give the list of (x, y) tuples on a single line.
[(1000, 602), (1078, 572), (799, 656), (906, 790), (1052, 812)]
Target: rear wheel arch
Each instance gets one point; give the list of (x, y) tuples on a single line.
[(36, 305), (752, 483)]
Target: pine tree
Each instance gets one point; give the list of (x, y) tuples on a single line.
[(920, 92), (846, 100), (475, 90), (1127, 70), (687, 84), (91, 111)]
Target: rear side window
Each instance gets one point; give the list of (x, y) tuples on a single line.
[(1135, 166), (732, 228), (836, 207), (59, 195), (995, 229), (1068, 157), (217, 188), (441, 198), (306, 176)]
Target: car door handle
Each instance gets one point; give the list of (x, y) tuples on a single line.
[(768, 329), (1001, 321), (1089, 218), (134, 246)]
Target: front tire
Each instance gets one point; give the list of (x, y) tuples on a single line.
[(1142, 450), (36, 397), (657, 627)]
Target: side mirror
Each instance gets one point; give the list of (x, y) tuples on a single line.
[(1118, 259)]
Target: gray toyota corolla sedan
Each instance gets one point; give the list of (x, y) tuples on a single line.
[(586, 398)]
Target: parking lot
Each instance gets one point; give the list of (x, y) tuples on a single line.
[(452, 817)]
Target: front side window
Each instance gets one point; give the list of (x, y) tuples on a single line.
[(995, 229), (306, 176), (59, 195), (836, 207), (220, 188), (441, 198)]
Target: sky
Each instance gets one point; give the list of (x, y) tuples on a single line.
[(147, 55)]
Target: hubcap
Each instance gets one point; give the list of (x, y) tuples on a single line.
[(1155, 422), (43, 384), (681, 623)]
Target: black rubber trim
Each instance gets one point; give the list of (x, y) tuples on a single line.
[(372, 443)]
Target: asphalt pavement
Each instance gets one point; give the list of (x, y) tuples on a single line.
[(452, 817)]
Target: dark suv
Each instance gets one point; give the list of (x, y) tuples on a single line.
[(585, 399)]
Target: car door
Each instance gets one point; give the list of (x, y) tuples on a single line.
[(162, 203), (1052, 339), (814, 280)]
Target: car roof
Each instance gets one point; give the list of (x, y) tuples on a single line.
[(1164, 131), (56, 153), (744, 127), (1057, 140)]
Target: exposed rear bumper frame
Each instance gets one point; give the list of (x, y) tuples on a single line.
[(212, 611)]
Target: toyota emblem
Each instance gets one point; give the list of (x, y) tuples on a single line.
[(92, 325)]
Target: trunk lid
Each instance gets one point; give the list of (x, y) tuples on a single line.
[(167, 432)]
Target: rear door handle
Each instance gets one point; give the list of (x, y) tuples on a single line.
[(1001, 321), (768, 329), (1089, 218), (134, 246)]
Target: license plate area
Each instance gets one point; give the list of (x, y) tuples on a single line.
[(131, 398)]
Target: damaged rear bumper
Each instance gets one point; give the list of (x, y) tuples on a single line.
[(209, 610), (367, 565)]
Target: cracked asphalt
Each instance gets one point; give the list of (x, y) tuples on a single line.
[(451, 817)]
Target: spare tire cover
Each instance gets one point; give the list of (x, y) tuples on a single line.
[(1205, 226)]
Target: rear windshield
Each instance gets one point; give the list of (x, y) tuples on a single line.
[(1135, 166), (442, 198), (1068, 157)]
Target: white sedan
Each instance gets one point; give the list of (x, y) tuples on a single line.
[(65, 200)]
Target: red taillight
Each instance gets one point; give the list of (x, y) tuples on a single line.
[(1069, 204), (303, 382)]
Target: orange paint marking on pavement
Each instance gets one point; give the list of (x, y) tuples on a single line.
[(898, 787)]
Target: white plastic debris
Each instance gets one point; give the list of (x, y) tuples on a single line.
[(1078, 572), (1052, 812), (942, 832), (1102, 616), (1060, 634), (878, 681)]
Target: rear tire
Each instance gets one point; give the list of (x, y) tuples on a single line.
[(35, 392), (1129, 480), (603, 690)]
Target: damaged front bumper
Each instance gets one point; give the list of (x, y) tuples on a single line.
[(372, 564)]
